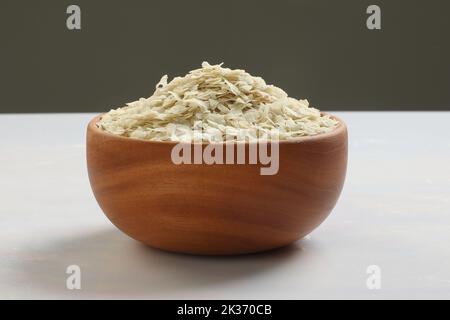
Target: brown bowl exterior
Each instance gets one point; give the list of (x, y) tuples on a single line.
[(215, 209)]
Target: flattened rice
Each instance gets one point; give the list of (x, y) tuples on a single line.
[(222, 104)]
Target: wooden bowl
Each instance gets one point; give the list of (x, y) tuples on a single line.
[(218, 209)]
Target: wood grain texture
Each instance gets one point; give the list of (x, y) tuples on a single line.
[(215, 209)]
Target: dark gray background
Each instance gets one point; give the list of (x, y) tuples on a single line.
[(315, 49)]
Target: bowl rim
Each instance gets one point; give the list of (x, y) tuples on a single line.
[(340, 128)]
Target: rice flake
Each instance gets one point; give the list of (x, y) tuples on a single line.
[(225, 104)]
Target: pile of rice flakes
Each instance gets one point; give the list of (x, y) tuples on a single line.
[(213, 104)]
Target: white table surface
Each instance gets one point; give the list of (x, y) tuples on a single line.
[(394, 212)]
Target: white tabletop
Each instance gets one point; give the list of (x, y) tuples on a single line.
[(394, 213)]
